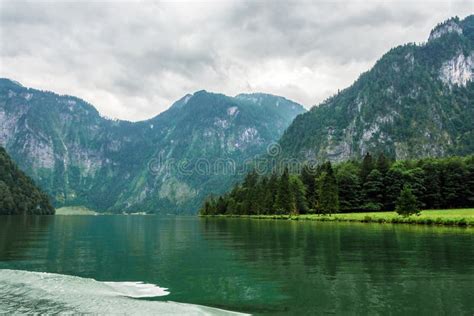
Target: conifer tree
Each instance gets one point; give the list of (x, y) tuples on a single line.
[(232, 206), (453, 186), (299, 192), (415, 179), (395, 181), (221, 205), (373, 191), (382, 164), (349, 187), (328, 193), (409, 185), (366, 167), (250, 180), (285, 201), (431, 198), (206, 208), (259, 196), (469, 192), (271, 191), (308, 176), (407, 203)]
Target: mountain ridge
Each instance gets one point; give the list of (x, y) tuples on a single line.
[(82, 158), (416, 101)]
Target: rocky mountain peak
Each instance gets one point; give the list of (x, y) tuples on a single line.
[(449, 26)]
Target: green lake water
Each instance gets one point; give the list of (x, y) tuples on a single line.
[(249, 266)]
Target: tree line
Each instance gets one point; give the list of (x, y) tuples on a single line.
[(370, 184)]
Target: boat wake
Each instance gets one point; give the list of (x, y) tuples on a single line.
[(27, 292), (137, 289)]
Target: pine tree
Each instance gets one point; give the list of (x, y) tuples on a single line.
[(469, 192), (432, 197), (395, 181), (414, 178), (409, 185), (452, 183), (206, 208), (366, 167), (259, 196), (349, 187), (453, 186), (285, 201), (232, 207), (373, 191), (299, 192), (250, 180), (221, 205), (249, 188), (407, 203), (271, 191), (328, 192), (308, 176), (382, 164)]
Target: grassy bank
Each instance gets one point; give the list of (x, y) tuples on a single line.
[(74, 210), (453, 217)]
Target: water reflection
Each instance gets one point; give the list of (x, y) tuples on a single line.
[(13, 243), (262, 266), (363, 268)]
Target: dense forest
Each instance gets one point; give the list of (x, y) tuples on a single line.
[(18, 192), (372, 184)]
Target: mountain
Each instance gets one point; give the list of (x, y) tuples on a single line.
[(18, 193), (163, 164), (417, 101)]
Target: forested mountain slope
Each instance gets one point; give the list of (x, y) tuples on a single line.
[(82, 158), (417, 101), (18, 193)]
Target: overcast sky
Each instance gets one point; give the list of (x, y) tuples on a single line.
[(133, 59)]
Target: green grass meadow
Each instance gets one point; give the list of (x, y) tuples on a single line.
[(452, 217)]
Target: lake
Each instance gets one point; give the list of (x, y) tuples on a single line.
[(191, 265)]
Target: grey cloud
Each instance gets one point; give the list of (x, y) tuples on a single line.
[(133, 59)]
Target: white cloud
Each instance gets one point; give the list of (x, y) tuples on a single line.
[(133, 59)]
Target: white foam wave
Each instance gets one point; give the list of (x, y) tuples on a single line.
[(24, 292), (137, 289)]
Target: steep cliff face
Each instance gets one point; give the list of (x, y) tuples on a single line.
[(416, 101), (458, 71), (81, 158)]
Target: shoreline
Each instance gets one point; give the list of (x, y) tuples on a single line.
[(454, 217)]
